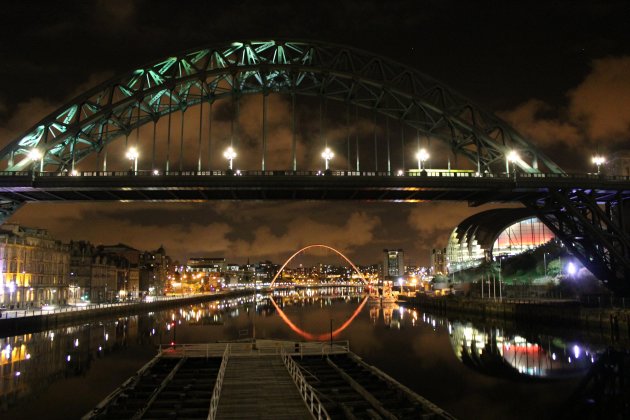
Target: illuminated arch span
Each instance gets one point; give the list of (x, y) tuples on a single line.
[(322, 336), (85, 125), (354, 267)]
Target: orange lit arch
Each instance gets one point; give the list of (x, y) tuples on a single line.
[(318, 246), (322, 336)]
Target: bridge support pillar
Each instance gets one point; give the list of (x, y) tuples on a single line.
[(597, 235)]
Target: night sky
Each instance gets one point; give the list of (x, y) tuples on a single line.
[(559, 72)]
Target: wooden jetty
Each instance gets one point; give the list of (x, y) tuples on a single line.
[(263, 379)]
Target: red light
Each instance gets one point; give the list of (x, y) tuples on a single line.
[(172, 343)]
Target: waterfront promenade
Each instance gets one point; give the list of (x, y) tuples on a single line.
[(30, 320), (15, 321)]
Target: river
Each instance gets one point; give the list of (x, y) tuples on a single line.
[(470, 369)]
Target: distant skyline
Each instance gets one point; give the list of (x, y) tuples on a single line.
[(559, 72)]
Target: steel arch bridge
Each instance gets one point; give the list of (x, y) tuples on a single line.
[(590, 214), (346, 323), (329, 248), (357, 78)]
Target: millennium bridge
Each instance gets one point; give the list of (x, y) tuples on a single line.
[(305, 120)]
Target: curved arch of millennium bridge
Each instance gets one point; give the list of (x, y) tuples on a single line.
[(117, 108), (354, 267), (307, 335)]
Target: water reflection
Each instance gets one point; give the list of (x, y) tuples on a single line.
[(492, 351), (323, 336), (30, 362)]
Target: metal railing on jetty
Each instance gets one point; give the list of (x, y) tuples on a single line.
[(308, 393), (216, 392), (256, 348), (285, 349), (128, 384)]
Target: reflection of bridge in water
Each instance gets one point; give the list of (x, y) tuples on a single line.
[(333, 333)]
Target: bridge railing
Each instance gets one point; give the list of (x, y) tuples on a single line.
[(307, 392), (428, 173)]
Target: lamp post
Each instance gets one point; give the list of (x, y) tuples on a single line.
[(511, 157), (36, 156), (598, 161), (230, 155), (422, 156), (327, 154), (571, 269), (132, 154)]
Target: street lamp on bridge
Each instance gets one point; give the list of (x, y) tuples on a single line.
[(422, 156), (230, 155), (327, 154), (598, 161), (511, 157), (132, 154), (36, 156)]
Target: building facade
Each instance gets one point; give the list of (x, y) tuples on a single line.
[(127, 260), (153, 270), (34, 268), (393, 263), (80, 282), (439, 262), (494, 233)]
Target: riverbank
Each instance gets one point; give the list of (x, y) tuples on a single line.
[(612, 322), (28, 321)]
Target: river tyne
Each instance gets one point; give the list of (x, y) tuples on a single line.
[(473, 370)]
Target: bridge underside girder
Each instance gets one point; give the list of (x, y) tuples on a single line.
[(595, 233)]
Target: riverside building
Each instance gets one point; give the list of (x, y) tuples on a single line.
[(34, 267)]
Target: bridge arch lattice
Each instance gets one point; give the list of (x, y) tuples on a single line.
[(358, 78)]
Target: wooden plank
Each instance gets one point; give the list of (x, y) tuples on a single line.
[(260, 387)]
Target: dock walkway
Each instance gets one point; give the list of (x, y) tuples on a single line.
[(262, 379), (259, 388)]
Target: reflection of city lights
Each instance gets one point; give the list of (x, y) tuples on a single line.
[(68, 358), (576, 351)]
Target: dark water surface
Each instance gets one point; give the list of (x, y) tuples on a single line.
[(471, 370)]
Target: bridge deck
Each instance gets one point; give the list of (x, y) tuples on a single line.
[(260, 387)]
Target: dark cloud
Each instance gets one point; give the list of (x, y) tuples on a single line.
[(596, 115), (602, 101)]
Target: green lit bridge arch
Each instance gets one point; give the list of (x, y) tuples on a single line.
[(112, 110), (590, 216)]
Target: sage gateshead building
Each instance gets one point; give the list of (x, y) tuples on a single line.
[(494, 233)]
